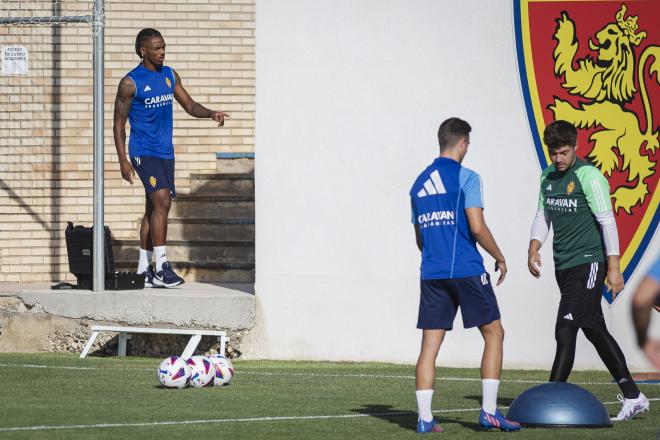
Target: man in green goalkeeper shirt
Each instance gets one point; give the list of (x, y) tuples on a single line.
[(575, 199)]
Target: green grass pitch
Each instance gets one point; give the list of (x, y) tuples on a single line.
[(54, 396)]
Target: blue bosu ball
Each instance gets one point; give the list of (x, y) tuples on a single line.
[(559, 404)]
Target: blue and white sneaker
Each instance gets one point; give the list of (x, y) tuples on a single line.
[(166, 277), (497, 420), (426, 427), (149, 277)]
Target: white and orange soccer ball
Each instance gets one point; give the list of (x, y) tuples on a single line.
[(173, 372), (224, 370), (202, 371)]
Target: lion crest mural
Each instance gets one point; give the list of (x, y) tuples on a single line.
[(606, 83), (596, 64)]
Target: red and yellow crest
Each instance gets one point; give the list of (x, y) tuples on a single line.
[(596, 64)]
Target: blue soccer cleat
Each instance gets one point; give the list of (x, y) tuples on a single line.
[(426, 427), (149, 277), (497, 420), (166, 277)]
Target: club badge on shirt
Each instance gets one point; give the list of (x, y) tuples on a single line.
[(570, 187)]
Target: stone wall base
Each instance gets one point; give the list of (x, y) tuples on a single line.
[(25, 329)]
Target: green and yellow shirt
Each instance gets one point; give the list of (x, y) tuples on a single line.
[(571, 199)]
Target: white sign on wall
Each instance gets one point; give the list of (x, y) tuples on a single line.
[(14, 60)]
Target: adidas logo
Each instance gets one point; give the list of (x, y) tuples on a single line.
[(549, 188), (432, 186), (569, 317), (147, 89)]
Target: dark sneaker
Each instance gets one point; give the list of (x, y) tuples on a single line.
[(497, 420), (149, 277), (426, 427), (166, 277)]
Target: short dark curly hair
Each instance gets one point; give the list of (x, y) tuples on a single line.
[(558, 134), (143, 36)]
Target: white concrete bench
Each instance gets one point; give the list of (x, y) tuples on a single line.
[(124, 334)]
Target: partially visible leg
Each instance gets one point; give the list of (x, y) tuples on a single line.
[(613, 358), (145, 236), (634, 402), (491, 364), (425, 370), (146, 245), (566, 336), (491, 367), (425, 379), (164, 276), (491, 361), (161, 202)]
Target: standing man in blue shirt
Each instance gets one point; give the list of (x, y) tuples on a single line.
[(144, 98), (447, 205)]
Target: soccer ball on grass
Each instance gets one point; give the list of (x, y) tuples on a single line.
[(173, 372), (202, 371), (224, 370)]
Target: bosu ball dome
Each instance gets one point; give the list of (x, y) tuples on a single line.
[(559, 404)]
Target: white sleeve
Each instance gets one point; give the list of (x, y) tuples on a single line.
[(610, 233), (540, 226)]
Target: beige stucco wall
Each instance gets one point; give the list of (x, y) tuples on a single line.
[(46, 118)]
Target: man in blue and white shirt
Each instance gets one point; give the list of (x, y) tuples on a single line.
[(447, 205), (144, 98)]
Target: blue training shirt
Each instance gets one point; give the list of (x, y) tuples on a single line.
[(439, 197), (151, 113)]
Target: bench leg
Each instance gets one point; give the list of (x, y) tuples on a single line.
[(223, 345), (89, 344), (192, 345), (121, 349)]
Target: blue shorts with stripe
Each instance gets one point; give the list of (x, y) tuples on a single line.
[(440, 299), (155, 173)]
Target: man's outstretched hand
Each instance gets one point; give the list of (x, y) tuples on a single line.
[(219, 117)]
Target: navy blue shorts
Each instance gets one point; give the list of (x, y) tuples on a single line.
[(155, 173), (440, 300)]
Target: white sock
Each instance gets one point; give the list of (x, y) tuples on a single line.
[(160, 257), (424, 398), (489, 395), (145, 260)]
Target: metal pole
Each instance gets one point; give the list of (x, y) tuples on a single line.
[(99, 239)]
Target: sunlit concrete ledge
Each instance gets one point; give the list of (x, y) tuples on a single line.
[(229, 306)]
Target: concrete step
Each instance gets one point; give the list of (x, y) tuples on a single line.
[(210, 229), (190, 305), (206, 206), (230, 163), (237, 272), (222, 184), (189, 250)]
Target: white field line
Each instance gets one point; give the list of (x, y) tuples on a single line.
[(240, 420), (266, 373)]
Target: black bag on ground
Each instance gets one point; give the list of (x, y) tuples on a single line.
[(80, 250)]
